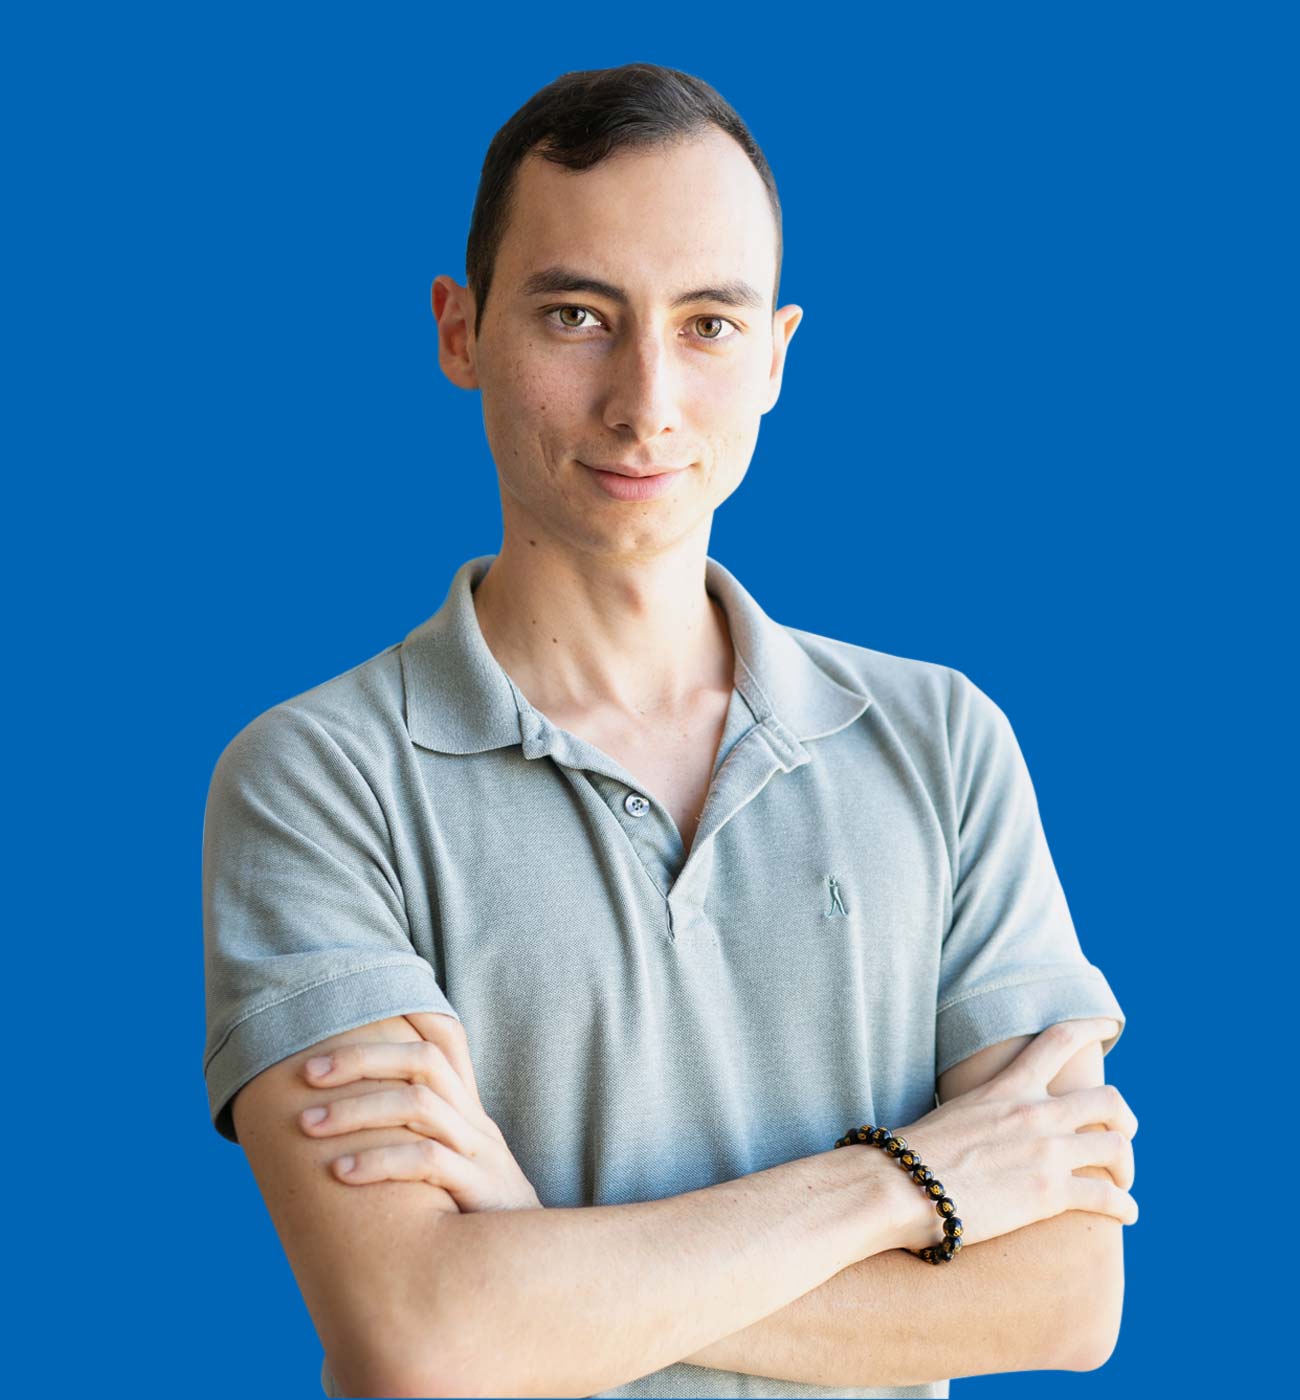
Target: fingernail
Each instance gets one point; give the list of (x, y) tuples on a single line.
[(347, 1163), (314, 1115), (320, 1066)]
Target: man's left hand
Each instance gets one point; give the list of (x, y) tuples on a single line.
[(464, 1151)]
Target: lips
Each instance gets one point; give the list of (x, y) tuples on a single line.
[(624, 485), (619, 469)]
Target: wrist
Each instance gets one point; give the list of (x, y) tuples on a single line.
[(892, 1210)]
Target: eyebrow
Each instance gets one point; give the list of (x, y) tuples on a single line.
[(564, 279)]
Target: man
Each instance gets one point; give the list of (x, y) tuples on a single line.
[(700, 891)]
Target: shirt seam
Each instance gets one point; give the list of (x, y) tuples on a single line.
[(400, 960), (1079, 974)]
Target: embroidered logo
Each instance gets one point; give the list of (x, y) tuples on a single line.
[(837, 901)]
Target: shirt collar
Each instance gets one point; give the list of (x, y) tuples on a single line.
[(460, 700)]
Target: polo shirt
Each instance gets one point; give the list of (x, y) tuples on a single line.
[(868, 900)]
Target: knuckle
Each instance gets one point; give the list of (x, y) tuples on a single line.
[(426, 1100), (1023, 1116), (1067, 1032), (430, 1153), (1041, 1183)]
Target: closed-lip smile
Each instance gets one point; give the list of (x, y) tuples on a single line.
[(624, 483), (619, 469)]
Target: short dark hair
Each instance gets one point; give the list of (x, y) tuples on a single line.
[(578, 120)]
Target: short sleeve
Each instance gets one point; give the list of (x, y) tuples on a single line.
[(304, 925), (1011, 962)]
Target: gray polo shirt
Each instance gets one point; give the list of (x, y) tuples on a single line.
[(869, 899)]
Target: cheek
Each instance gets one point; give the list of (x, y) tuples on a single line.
[(541, 393)]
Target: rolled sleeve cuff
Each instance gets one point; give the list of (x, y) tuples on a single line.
[(314, 1013), (1022, 1005)]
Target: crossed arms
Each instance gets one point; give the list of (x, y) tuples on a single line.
[(1045, 1297), (690, 1278)]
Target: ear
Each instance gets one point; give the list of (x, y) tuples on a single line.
[(453, 309), (784, 324)]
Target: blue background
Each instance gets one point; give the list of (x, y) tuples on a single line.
[(1038, 424)]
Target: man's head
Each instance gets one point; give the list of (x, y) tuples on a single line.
[(622, 271)]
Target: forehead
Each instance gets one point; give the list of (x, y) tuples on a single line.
[(653, 219)]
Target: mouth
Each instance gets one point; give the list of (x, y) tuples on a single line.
[(636, 473), (626, 483)]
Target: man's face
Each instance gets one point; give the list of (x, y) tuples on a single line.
[(575, 378)]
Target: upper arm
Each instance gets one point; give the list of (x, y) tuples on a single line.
[(361, 1255), (1083, 1071), (1010, 960)]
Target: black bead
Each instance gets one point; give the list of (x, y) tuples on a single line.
[(946, 1251), (953, 1245), (945, 1206), (909, 1159), (934, 1189), (953, 1226), (862, 1135), (895, 1145), (921, 1174), (881, 1135)]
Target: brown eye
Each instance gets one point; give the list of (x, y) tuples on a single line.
[(715, 328), (577, 311)]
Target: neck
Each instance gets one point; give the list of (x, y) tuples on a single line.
[(588, 635)]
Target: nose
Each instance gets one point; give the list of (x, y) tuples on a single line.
[(641, 397)]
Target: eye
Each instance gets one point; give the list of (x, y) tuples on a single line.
[(567, 324), (721, 322)]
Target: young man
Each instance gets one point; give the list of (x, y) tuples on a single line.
[(701, 892)]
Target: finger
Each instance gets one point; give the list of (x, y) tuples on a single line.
[(1101, 1103), (449, 1034), (1047, 1054), (413, 1106), (1110, 1150), (1102, 1198), (418, 1061), (431, 1162)]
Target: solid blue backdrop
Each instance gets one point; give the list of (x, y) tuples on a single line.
[(1031, 427)]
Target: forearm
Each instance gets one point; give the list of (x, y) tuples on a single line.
[(894, 1320), (571, 1301), (1045, 1297)]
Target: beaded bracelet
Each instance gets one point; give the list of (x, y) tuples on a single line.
[(911, 1163)]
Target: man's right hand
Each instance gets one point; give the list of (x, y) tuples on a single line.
[(1006, 1151)]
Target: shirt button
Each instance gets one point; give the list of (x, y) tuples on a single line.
[(635, 804)]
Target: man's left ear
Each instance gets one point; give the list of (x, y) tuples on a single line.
[(784, 324)]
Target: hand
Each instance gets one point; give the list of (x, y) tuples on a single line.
[(464, 1151), (1006, 1151)]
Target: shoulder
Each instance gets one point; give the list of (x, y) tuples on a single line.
[(355, 719), (924, 700)]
